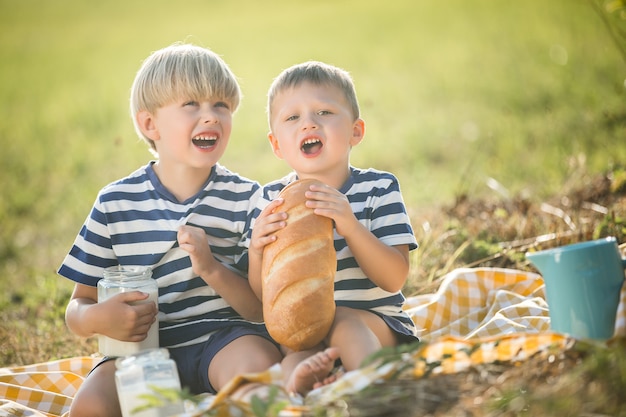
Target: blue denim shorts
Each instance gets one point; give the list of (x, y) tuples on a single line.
[(193, 361)]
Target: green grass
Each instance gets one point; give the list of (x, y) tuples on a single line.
[(452, 92)]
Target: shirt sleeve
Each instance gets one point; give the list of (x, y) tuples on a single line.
[(91, 251), (389, 220)]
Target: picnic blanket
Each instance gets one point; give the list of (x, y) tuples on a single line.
[(478, 315)]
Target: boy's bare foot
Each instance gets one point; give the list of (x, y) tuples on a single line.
[(313, 372), (328, 380)]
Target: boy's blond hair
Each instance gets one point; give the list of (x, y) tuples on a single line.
[(317, 73), (181, 71)]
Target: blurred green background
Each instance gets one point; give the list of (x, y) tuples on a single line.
[(454, 93)]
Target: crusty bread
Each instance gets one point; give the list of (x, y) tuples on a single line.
[(298, 274)]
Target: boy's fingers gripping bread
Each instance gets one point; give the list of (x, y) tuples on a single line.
[(298, 274)]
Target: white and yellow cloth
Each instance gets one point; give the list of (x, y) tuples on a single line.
[(478, 315)]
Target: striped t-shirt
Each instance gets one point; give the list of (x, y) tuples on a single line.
[(135, 221), (377, 203)]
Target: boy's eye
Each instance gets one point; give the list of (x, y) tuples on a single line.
[(222, 104), (324, 112), (190, 103), (294, 117)]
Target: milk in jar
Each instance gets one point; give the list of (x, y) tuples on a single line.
[(142, 375), (119, 279)]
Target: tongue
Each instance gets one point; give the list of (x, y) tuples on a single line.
[(312, 148), (204, 143)]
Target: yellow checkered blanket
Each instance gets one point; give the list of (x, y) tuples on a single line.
[(478, 315)]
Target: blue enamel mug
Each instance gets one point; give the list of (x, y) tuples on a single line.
[(583, 283)]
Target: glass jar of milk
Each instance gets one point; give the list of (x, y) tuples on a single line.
[(142, 375), (119, 279)]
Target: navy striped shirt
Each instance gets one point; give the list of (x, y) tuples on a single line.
[(134, 221), (377, 203)]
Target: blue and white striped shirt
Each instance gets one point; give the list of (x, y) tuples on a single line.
[(377, 203), (135, 221)]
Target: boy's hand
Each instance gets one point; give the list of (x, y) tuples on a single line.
[(265, 225), (128, 316), (329, 202), (194, 241)]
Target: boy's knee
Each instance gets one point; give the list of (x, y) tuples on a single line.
[(97, 396), (258, 361), (346, 317)]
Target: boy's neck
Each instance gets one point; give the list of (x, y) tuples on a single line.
[(182, 182), (332, 179)]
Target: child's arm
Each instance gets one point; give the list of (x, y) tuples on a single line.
[(265, 225), (114, 317), (387, 266), (232, 287)]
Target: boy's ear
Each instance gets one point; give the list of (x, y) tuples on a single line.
[(145, 122), (358, 132), (275, 146)]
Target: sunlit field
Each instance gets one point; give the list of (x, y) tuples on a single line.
[(461, 97)]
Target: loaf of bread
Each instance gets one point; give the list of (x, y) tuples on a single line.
[(298, 274)]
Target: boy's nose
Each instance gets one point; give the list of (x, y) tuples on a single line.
[(210, 117), (309, 122)]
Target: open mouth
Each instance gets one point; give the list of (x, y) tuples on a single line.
[(311, 146), (204, 142)]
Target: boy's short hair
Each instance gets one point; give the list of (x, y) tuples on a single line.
[(317, 73), (181, 71)]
